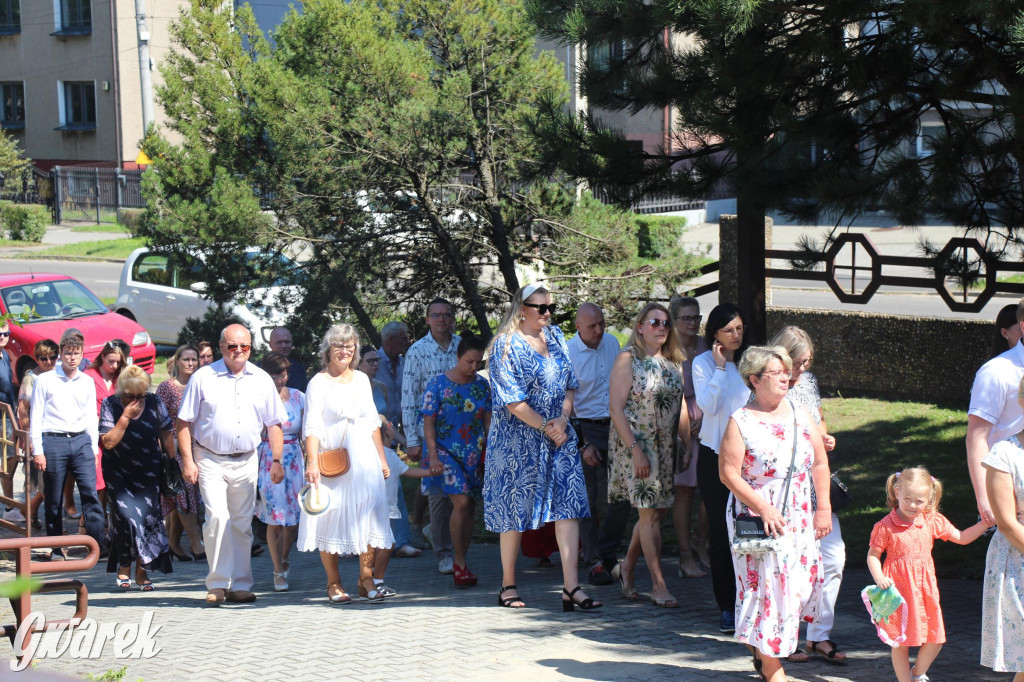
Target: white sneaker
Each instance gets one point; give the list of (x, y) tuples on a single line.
[(426, 534), (446, 566), (14, 515), (406, 552)]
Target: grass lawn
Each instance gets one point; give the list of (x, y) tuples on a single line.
[(17, 242), (110, 248), (159, 371), (875, 438), (105, 227)]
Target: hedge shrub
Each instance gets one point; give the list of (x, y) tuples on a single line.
[(25, 222), (131, 219), (658, 236)]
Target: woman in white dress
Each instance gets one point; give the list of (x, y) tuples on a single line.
[(340, 413), (1002, 607)]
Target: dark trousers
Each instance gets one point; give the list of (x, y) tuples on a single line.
[(600, 540), (716, 497), (71, 456)]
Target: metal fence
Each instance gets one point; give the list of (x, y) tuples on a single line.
[(32, 186), (85, 193)]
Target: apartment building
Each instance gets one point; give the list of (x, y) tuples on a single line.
[(73, 88)]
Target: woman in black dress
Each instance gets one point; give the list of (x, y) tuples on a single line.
[(133, 424)]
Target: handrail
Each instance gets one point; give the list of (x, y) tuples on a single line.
[(15, 438)]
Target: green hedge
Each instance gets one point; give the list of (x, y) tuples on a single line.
[(131, 219), (25, 222), (659, 236)]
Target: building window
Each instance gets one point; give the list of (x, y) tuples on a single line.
[(74, 17), (927, 134), (605, 57), (10, 17), (12, 106), (77, 106)]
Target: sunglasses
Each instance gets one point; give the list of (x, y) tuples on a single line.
[(373, 361), (690, 319), (4, 335), (244, 347), (542, 308), (46, 358), (135, 396), (658, 323)]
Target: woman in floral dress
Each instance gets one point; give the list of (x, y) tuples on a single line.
[(277, 504), (456, 418), (180, 511), (646, 397), (775, 590)]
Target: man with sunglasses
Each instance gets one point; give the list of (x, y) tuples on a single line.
[(435, 353), (65, 440), (225, 407)]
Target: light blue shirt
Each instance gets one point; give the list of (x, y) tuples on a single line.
[(593, 367)]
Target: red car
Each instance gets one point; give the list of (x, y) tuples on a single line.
[(61, 302)]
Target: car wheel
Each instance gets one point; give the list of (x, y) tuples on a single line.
[(126, 313)]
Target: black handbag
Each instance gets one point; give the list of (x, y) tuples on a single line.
[(171, 480), (839, 494), (749, 535)]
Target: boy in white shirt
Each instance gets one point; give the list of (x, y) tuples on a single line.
[(393, 485)]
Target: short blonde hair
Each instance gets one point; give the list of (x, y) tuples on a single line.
[(756, 358), (672, 351), (795, 340), (339, 333), (133, 379)]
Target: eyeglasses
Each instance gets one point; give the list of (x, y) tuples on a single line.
[(244, 347), (4, 335), (440, 316), (655, 323), (778, 373), (542, 308), (732, 331), (373, 361), (135, 396), (805, 365), (280, 375), (46, 358), (690, 319), (347, 347)]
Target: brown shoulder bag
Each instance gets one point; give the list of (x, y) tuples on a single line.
[(334, 462)]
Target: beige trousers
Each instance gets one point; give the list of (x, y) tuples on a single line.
[(228, 487)]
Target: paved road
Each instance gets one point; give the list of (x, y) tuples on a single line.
[(433, 632)]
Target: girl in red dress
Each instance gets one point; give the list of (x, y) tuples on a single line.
[(905, 536)]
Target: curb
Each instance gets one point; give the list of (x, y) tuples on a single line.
[(30, 255)]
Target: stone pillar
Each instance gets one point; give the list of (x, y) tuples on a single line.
[(728, 239)]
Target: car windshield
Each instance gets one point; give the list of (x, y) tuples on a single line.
[(54, 300)]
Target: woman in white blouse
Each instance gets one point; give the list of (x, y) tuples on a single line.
[(720, 391), (340, 413)]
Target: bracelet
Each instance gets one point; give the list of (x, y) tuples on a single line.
[(632, 445), (276, 461), (543, 425), (721, 369)]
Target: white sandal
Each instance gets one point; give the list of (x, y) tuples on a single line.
[(281, 581)]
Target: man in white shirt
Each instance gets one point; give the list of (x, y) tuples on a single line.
[(224, 409), (435, 353), (994, 413), (63, 429), (592, 353)]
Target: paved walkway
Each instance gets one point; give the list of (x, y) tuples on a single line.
[(434, 632)]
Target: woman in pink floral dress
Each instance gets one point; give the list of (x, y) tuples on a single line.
[(775, 590), (277, 504)]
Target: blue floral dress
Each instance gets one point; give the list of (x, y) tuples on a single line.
[(527, 480), (277, 504), (132, 471), (459, 410)]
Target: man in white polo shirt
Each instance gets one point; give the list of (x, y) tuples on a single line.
[(994, 414), (592, 353), (63, 428), (224, 409)]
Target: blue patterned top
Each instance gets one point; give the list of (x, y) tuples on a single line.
[(528, 481), (459, 410)]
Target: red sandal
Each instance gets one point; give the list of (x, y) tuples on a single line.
[(462, 576)]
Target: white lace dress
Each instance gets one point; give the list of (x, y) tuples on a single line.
[(345, 415)]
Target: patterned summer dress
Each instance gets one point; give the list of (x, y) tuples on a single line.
[(188, 500), (132, 471), (652, 409), (908, 561), (775, 591), (527, 480), (459, 410), (1002, 610), (277, 504)]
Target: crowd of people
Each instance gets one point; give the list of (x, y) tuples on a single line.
[(558, 440)]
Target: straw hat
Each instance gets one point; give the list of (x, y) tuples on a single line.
[(314, 500)]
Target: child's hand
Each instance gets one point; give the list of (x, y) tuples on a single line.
[(884, 583)]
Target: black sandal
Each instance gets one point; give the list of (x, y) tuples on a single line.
[(508, 602), (812, 648), (570, 604)]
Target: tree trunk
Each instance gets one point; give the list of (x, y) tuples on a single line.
[(750, 247), (499, 238)]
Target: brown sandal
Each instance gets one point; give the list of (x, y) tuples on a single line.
[(833, 655)]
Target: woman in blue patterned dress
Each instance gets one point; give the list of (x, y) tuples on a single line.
[(533, 473), (456, 418), (277, 504), (133, 424)]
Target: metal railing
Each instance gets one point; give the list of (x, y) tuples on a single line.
[(85, 193), (12, 443)]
